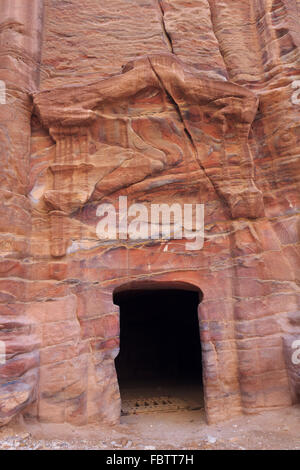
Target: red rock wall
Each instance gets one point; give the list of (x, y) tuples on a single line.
[(20, 47), (197, 105)]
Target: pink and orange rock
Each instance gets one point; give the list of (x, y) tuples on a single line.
[(161, 101)]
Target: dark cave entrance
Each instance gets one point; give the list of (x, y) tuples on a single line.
[(160, 360)]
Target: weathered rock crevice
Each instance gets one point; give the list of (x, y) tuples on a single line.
[(166, 34)]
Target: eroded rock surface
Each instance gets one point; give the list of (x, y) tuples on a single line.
[(161, 101)]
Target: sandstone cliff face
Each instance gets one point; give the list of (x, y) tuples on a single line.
[(161, 101), (20, 34)]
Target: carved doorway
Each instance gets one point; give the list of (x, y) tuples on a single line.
[(159, 366)]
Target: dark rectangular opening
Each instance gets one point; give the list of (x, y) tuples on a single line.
[(160, 348)]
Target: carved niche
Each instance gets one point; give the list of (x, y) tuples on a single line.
[(215, 117)]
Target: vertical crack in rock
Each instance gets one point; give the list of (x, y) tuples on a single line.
[(163, 24), (187, 132)]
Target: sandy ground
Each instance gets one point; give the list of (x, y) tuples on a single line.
[(278, 429)]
